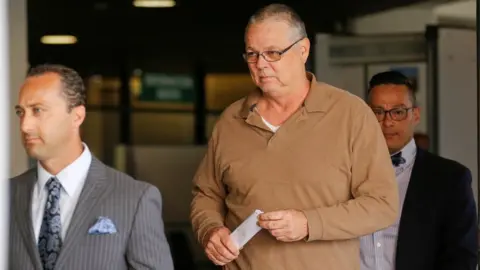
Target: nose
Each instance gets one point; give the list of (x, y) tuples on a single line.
[(387, 121), (26, 124), (261, 62)]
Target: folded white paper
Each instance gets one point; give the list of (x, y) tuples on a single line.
[(245, 231)]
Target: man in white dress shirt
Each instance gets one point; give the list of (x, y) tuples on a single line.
[(72, 179), (437, 228), (71, 211)]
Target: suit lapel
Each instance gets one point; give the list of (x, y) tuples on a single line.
[(23, 213), (95, 189), (408, 221)]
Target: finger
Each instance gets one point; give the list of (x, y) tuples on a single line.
[(273, 225), (212, 248), (213, 258), (231, 247), (223, 251), (275, 215), (279, 233), (284, 238)]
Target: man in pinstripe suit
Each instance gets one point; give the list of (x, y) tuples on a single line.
[(71, 211)]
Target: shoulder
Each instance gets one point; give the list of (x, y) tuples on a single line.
[(233, 111), (447, 170), (340, 99), (124, 183), (23, 178), (443, 164), (348, 111), (229, 121), (28, 174)]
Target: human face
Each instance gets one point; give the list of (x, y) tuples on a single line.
[(396, 114), (47, 126), (277, 76)]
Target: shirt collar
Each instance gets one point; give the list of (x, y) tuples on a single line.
[(409, 151), (318, 98), (71, 176)]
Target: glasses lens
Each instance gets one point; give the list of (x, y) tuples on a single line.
[(250, 57), (398, 114), (272, 56), (380, 114)]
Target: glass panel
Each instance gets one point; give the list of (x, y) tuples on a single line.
[(162, 128), (162, 91), (224, 89), (100, 132), (103, 90)]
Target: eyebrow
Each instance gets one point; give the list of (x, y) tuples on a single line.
[(17, 107), (398, 106), (273, 48), (269, 48)]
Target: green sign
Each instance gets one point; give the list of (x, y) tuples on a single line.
[(161, 87)]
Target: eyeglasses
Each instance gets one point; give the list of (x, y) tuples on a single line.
[(270, 56), (397, 114)]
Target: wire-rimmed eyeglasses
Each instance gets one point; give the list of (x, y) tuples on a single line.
[(270, 56)]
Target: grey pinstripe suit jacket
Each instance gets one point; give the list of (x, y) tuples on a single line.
[(135, 208)]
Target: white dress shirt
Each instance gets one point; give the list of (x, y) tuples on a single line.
[(378, 250), (72, 179)]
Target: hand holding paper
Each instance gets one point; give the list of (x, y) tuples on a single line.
[(219, 247), (285, 225), (247, 230)]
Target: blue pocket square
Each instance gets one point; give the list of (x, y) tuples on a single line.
[(104, 225)]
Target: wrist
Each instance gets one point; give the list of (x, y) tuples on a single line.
[(208, 234)]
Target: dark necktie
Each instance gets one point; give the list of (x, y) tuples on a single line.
[(397, 159), (49, 240)]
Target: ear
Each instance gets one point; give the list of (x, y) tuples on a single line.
[(416, 115), (305, 49), (79, 114)]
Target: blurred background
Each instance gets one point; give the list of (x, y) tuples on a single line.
[(160, 72)]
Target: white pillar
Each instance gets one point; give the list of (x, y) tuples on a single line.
[(17, 53), (4, 134)]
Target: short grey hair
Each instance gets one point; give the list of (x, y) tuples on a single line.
[(73, 87), (279, 12)]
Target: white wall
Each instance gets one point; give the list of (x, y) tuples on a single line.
[(17, 10), (461, 13), (414, 18), (457, 98), (409, 19), (346, 77)]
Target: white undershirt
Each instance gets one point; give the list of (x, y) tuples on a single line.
[(270, 126), (72, 179)]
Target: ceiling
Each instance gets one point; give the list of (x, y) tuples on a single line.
[(113, 32)]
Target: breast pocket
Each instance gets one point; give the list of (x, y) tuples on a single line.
[(106, 236), (102, 251)]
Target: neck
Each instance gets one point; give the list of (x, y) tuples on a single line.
[(393, 151), (62, 160), (290, 100)]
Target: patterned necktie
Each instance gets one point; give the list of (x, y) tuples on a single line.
[(49, 241), (397, 159)]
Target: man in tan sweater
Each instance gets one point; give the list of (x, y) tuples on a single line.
[(309, 155)]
